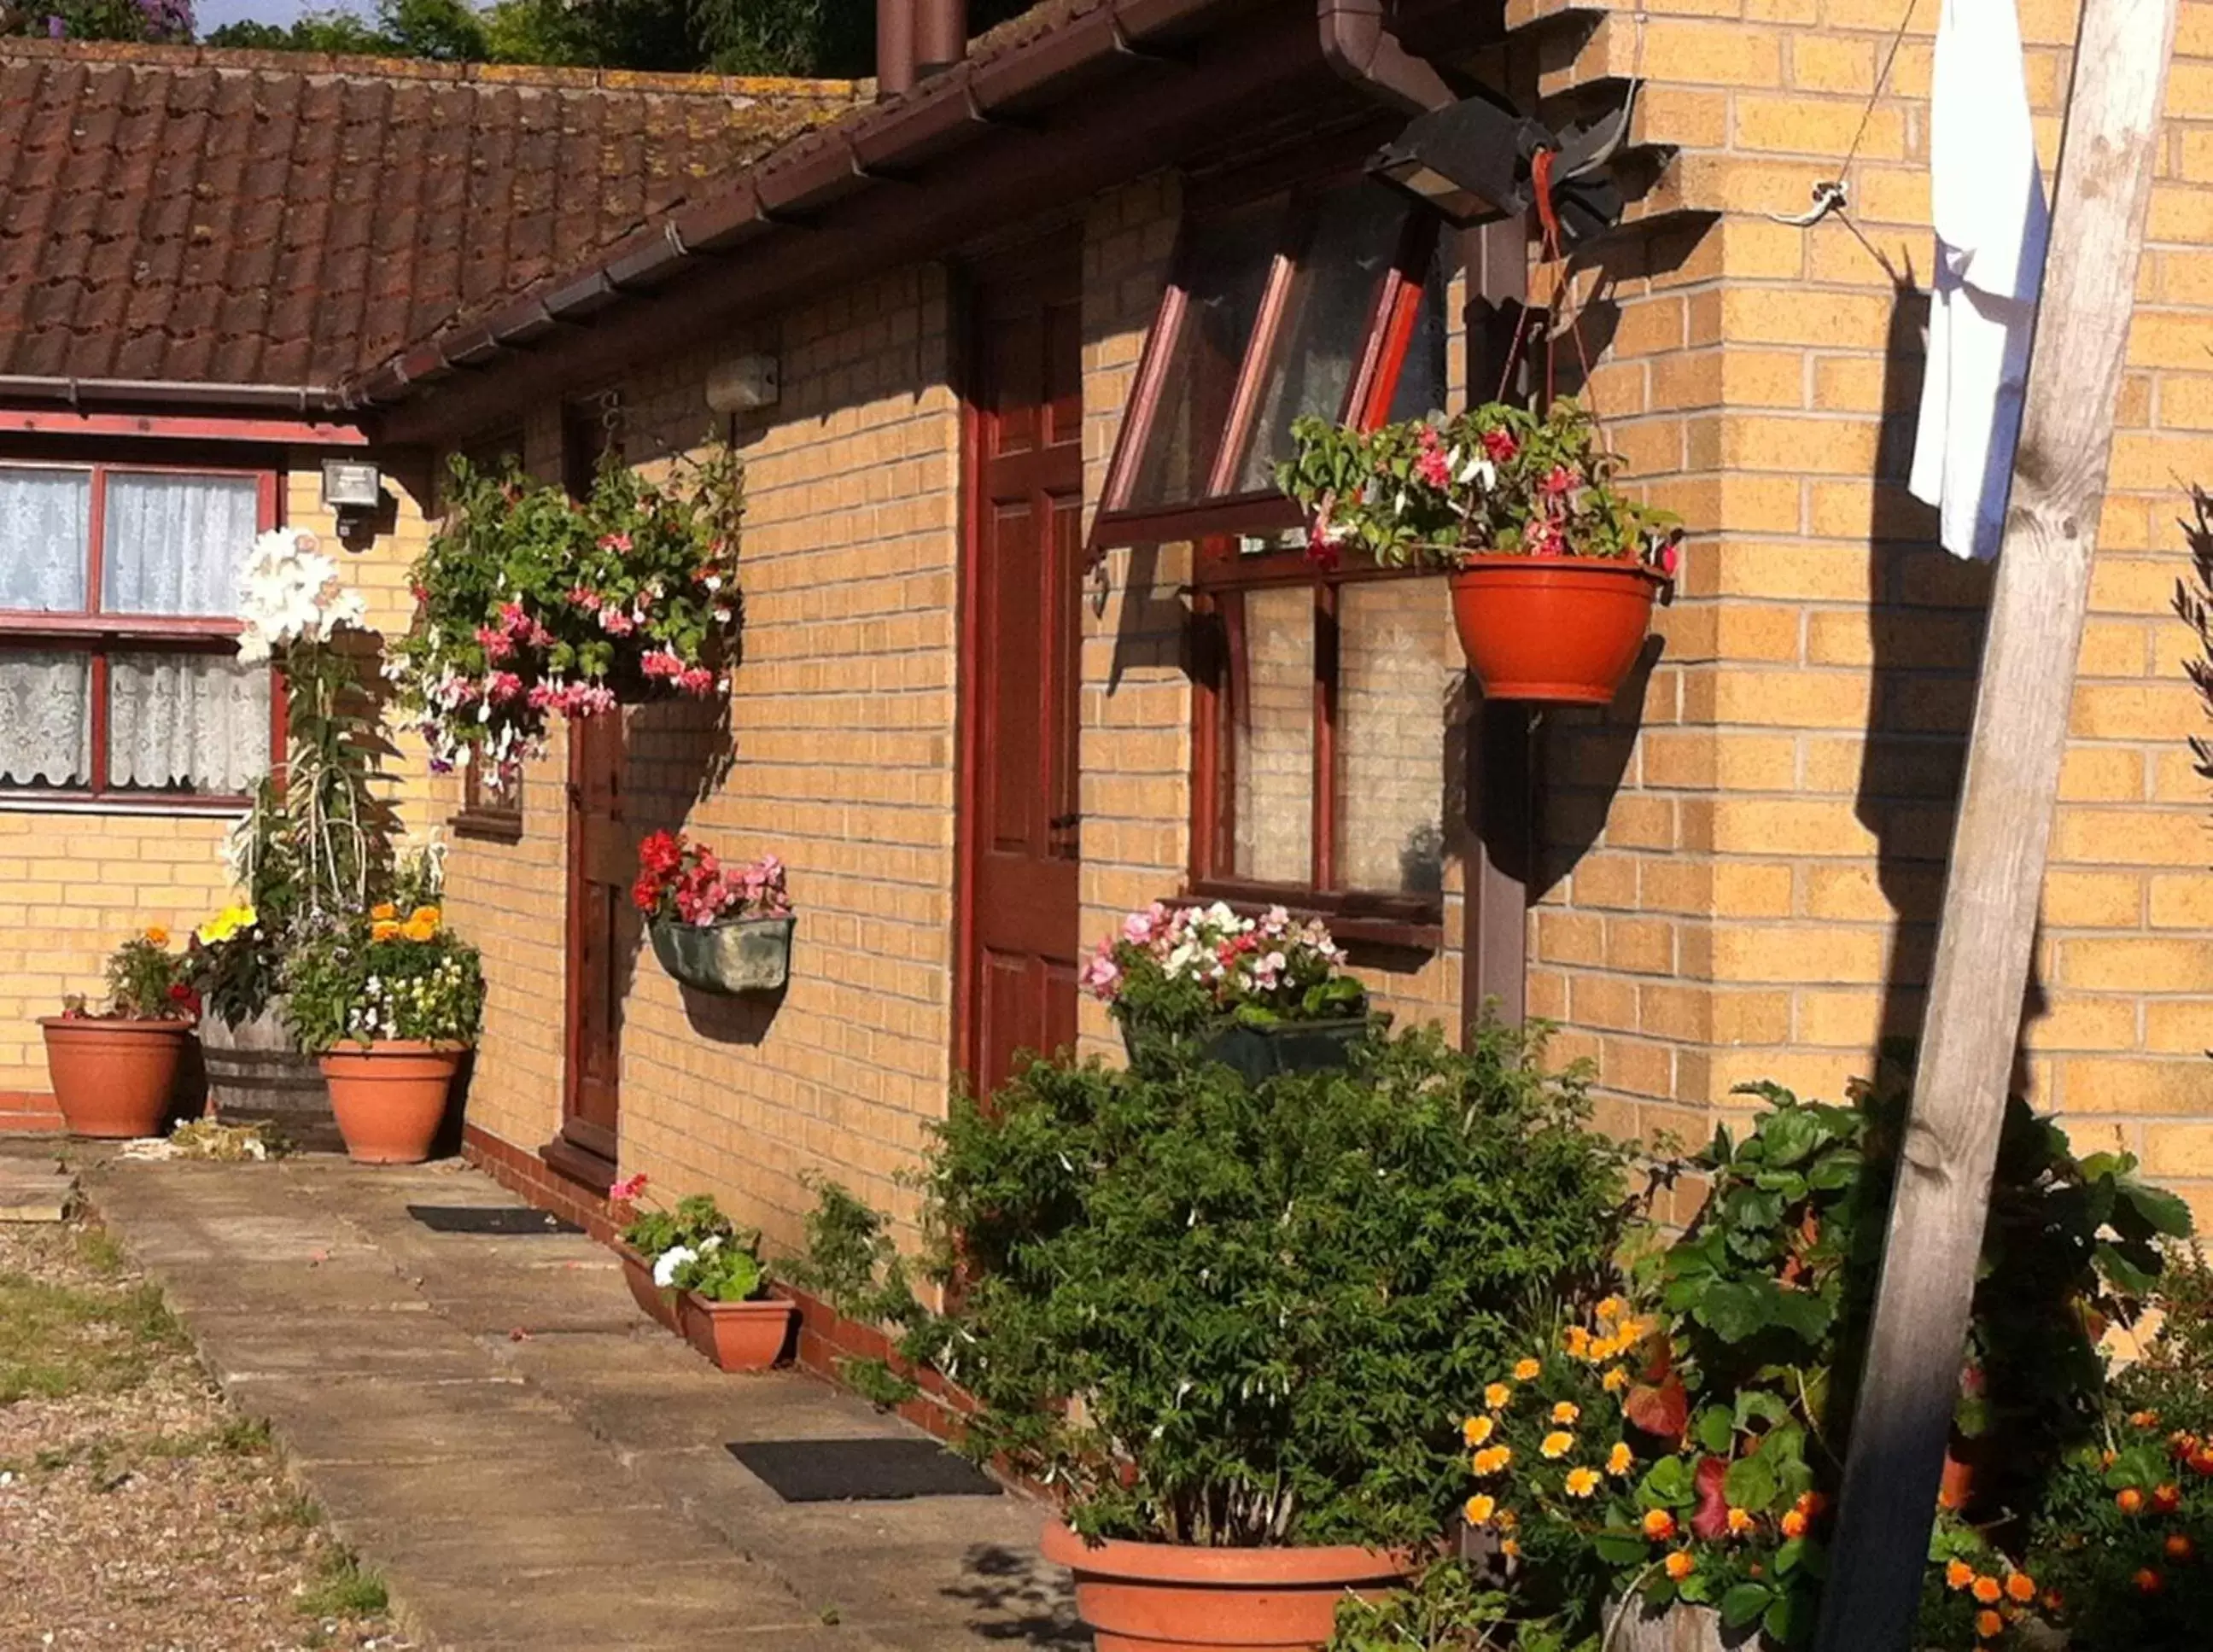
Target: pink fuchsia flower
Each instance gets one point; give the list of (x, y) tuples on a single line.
[(617, 542), (589, 700), (1499, 446), (542, 696), (616, 623), (497, 644), (626, 1191), (585, 598), (659, 662), (1561, 479), (1671, 558), (504, 685), (697, 680), (1430, 465)]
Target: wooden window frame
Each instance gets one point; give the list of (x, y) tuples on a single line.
[(96, 633)]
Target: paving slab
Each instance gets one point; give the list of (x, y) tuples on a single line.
[(31, 1194), (530, 1461)]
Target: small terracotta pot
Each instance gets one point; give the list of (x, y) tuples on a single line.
[(1166, 1597), (738, 1336), (1560, 630), (655, 1302), (113, 1076), (390, 1096)]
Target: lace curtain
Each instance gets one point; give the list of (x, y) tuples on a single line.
[(175, 543), (196, 722), (46, 722), (45, 530)]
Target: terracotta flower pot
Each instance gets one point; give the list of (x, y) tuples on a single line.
[(1165, 1597), (390, 1096), (738, 1336), (112, 1077), (1561, 630), (654, 1301)]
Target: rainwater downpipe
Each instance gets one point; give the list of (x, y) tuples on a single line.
[(1356, 41)]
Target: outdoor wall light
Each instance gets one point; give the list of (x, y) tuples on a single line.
[(742, 384), (353, 492), (1469, 163)]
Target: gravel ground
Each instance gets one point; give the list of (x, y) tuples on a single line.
[(138, 1512)]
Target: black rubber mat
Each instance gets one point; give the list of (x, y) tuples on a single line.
[(860, 1471), (499, 1219)]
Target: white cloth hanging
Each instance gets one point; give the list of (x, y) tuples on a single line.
[(1991, 223)]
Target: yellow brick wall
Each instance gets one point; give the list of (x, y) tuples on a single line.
[(74, 884), (1742, 872)]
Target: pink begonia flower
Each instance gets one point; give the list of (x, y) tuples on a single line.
[(698, 681), (615, 542), (660, 663), (626, 1191), (1102, 976), (1499, 446)]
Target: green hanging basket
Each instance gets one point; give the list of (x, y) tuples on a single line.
[(744, 954)]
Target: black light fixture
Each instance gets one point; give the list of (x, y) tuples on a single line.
[(1469, 163)]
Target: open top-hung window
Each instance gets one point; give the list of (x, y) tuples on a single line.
[(119, 680)]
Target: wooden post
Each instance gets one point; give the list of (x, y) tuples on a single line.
[(1998, 847)]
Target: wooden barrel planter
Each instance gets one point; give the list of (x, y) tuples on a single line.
[(256, 1075)]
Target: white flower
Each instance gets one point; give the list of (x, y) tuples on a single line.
[(289, 590), (664, 1271)]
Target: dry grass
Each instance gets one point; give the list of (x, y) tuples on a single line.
[(137, 1512)]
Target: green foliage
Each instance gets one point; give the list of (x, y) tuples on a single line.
[(152, 21), (147, 981), (1497, 479), (1452, 1607), (375, 977), (1226, 1314), (725, 1271), (696, 1219), (57, 1340)]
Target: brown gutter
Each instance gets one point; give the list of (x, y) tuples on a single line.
[(1357, 44), (73, 393)]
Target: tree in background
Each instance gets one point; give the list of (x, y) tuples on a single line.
[(99, 20)]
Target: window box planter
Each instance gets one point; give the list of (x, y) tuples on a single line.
[(390, 1096), (1562, 630), (746, 1336), (1258, 1054), (1167, 1597), (656, 1302), (113, 1074), (744, 954)]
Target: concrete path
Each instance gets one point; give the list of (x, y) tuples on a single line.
[(528, 1460)]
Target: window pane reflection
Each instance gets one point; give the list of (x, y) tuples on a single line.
[(1396, 675), (1272, 698)]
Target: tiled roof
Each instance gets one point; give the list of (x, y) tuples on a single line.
[(193, 214)]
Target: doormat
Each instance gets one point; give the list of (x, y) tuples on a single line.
[(499, 1219), (860, 1471)]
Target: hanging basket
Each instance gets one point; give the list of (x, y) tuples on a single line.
[(744, 954), (1561, 631)]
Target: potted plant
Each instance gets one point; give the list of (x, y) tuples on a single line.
[(1552, 569), (653, 1243), (114, 1071), (1223, 1323), (721, 928), (691, 1270), (390, 1003), (528, 604), (1262, 995)]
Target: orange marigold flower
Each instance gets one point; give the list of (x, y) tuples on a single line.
[(1989, 1625), (1811, 1504), (1679, 1565), (1557, 1444), (418, 929), (2128, 1500), (1581, 1482), (1507, 1520), (1658, 1525), (1477, 1430), (1621, 1459), (2020, 1587), (1491, 1459), (1498, 1394), (1576, 1340), (1741, 1521), (1794, 1524), (1479, 1509), (1988, 1590), (384, 909), (2143, 1419), (2201, 1460), (2179, 1547), (426, 915), (1526, 1369), (1566, 1411), (2149, 1582), (1958, 1573), (2165, 1499), (383, 930), (156, 934), (1615, 1380), (1612, 1309), (1510, 1549), (2053, 1600), (1601, 1350)]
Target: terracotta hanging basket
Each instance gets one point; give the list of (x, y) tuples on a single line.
[(1562, 630), (744, 954), (1166, 1597), (390, 1096), (113, 1075)]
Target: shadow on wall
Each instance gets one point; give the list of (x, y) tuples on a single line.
[(1926, 611)]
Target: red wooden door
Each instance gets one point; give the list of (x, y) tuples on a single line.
[(603, 935), (1019, 669)]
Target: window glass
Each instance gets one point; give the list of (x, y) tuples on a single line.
[(1324, 330), (1396, 677), (1273, 740), (45, 532), (174, 544), (46, 721), (186, 722), (1422, 385), (1226, 267)]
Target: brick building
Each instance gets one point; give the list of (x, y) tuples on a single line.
[(1016, 662)]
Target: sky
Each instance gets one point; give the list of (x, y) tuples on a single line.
[(214, 14)]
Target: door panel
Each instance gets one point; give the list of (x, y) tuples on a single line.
[(603, 936), (1020, 673)]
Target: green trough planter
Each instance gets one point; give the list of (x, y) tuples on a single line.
[(747, 954)]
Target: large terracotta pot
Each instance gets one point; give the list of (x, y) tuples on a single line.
[(113, 1076), (390, 1096), (1561, 630), (1164, 1597), (738, 1336)]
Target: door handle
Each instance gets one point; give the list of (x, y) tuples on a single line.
[(1064, 822)]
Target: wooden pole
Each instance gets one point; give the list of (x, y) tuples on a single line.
[(1910, 1383)]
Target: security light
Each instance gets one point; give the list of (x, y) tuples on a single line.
[(1464, 161), (351, 488)]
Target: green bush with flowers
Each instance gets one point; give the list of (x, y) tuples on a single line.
[(692, 1246), (529, 604), (382, 976), (145, 982)]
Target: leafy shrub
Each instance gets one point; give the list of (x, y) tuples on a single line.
[(1212, 1312), (147, 981)]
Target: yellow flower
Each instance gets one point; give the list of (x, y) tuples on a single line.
[(1615, 1380), (1491, 1459), (1576, 1340), (1479, 1509), (430, 915), (1477, 1430), (158, 936), (1679, 1565), (1525, 1370), (382, 909), (1507, 1520), (1558, 1443), (226, 923), (1566, 1413), (416, 930), (1581, 1482), (1612, 1309), (1658, 1525), (1740, 1522), (1498, 1394), (1621, 1459), (1510, 1549), (383, 930)]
